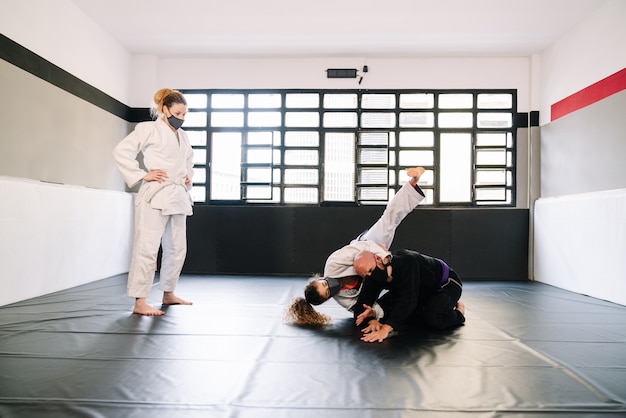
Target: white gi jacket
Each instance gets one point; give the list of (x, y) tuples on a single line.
[(161, 149), (339, 263)]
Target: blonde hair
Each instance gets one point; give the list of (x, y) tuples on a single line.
[(166, 97), (301, 312)]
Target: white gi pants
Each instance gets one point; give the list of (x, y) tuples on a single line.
[(151, 230), (400, 205), (339, 263)]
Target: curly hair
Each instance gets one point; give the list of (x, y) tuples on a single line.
[(301, 312)]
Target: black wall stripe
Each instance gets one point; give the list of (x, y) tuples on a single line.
[(32, 63)]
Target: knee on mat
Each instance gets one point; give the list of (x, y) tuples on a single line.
[(440, 313)]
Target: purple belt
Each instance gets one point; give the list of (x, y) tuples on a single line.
[(446, 272)]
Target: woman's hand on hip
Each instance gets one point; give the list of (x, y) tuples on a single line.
[(156, 175)]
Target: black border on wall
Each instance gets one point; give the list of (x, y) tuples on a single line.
[(34, 64)]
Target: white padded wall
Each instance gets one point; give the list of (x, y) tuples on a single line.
[(580, 243), (55, 237)]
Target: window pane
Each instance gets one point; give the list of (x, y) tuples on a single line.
[(491, 139), (416, 158), (495, 101), (498, 194), (199, 175), (491, 157), (340, 120), (417, 139), (300, 195), (417, 101), (491, 177), (374, 176), (374, 138), (301, 157), (373, 156), (456, 101), (264, 119), (259, 155), (340, 101), (302, 119), (226, 166), (227, 101), (301, 176), (378, 120), (302, 139), (258, 193), (263, 192), (198, 193), (195, 119), (417, 120), (199, 156), (302, 100), (430, 197), (260, 138), (196, 138), (456, 120), (494, 120), (374, 193), (428, 178), (259, 175), (378, 101), (227, 119), (196, 101), (264, 100), (339, 167), (455, 167)]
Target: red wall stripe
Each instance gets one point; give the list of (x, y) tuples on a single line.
[(589, 95)]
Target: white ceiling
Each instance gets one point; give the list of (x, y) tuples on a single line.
[(337, 28)]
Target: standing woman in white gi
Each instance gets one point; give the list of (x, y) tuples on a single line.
[(163, 202)]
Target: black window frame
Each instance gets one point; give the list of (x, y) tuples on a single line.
[(510, 150)]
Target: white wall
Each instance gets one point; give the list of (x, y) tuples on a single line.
[(427, 73), (61, 33), (590, 52), (55, 237)]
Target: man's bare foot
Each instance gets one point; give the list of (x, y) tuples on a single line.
[(415, 173), (460, 306), (169, 298), (143, 308)]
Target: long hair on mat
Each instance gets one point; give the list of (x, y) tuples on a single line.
[(301, 312)]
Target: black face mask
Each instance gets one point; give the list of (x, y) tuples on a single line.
[(175, 122), (333, 285), (379, 275)]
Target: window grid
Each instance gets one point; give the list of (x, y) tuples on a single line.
[(305, 124)]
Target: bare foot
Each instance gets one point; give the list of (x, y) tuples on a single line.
[(415, 173), (169, 298), (460, 306), (143, 308)]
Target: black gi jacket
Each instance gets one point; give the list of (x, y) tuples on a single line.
[(416, 277)]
